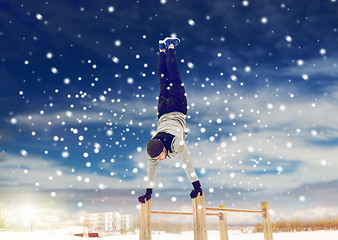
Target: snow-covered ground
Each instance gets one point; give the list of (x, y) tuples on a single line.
[(212, 235)]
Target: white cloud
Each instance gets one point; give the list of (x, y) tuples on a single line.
[(318, 66), (125, 113), (34, 172)]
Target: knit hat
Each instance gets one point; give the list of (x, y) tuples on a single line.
[(154, 147)]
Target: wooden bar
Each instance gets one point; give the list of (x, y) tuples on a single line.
[(179, 213), (200, 231), (223, 226), (233, 210), (171, 213), (145, 220), (267, 226), (212, 214)]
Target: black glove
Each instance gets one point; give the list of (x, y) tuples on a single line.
[(197, 189), (146, 196)]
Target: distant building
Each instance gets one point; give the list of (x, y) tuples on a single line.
[(113, 222), (128, 222), (110, 222)]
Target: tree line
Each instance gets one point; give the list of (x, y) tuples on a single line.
[(300, 226)]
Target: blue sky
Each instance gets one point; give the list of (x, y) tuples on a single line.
[(78, 104)]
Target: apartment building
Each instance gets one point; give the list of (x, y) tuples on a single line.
[(110, 222)]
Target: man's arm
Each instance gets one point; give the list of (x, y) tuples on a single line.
[(183, 154), (151, 173)]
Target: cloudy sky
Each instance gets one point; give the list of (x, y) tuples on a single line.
[(78, 104)]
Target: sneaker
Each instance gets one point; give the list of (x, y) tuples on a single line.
[(172, 40), (161, 45)]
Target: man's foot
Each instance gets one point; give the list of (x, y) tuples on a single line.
[(161, 45), (172, 40)]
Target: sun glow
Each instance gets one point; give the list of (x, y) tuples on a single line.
[(27, 214)]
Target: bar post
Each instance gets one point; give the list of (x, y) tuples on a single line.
[(267, 226), (145, 220), (199, 215), (223, 226)]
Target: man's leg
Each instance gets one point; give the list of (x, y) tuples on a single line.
[(176, 86), (163, 77)]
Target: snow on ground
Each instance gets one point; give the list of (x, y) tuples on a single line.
[(212, 235)]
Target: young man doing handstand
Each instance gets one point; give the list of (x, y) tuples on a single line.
[(171, 132)]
